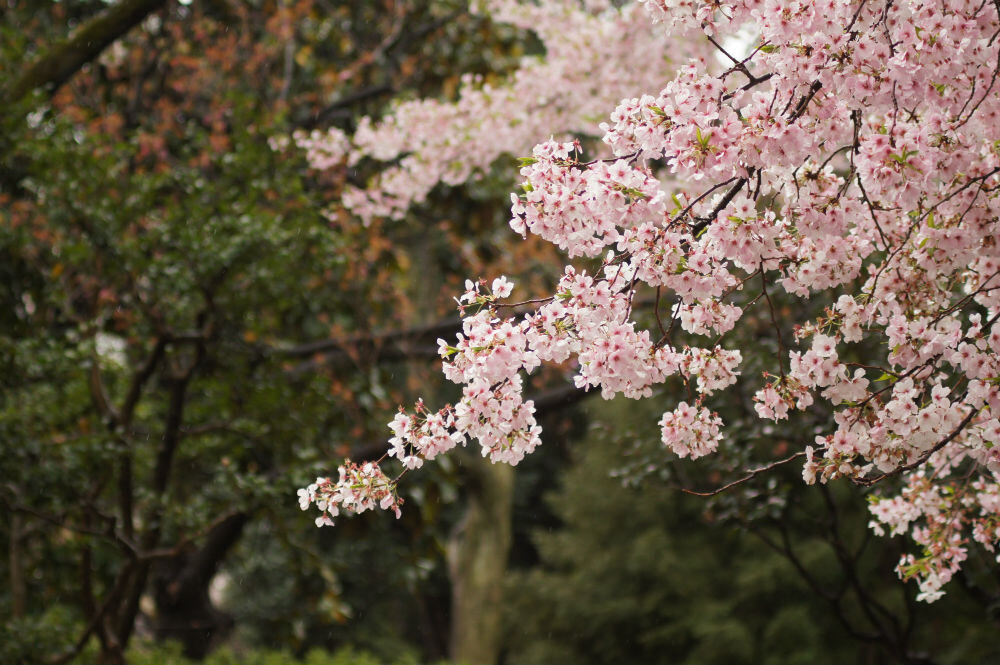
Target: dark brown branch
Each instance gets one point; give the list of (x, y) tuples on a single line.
[(171, 434), (139, 380), (171, 438), (833, 598), (202, 566), (738, 65), (97, 618), (695, 229), (427, 334), (774, 322), (417, 343), (753, 473), (88, 599), (345, 102), (868, 482), (785, 549), (870, 607), (60, 62), (803, 104), (184, 609)]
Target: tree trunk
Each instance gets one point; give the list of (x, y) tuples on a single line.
[(477, 562), (18, 589), (184, 610)]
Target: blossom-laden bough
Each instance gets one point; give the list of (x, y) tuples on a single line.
[(853, 155)]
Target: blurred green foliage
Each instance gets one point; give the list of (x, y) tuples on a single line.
[(170, 654), (642, 571)]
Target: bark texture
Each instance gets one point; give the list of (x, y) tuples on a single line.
[(477, 559)]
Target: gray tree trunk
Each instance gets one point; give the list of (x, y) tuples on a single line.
[(477, 560)]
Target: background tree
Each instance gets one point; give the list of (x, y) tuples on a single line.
[(184, 329)]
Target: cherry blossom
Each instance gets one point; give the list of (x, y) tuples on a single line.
[(850, 158)]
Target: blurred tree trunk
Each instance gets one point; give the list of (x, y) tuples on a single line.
[(184, 609), (18, 591), (477, 560), (479, 546)]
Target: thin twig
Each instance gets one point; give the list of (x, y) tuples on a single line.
[(751, 475)]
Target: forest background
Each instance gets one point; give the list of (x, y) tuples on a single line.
[(192, 326)]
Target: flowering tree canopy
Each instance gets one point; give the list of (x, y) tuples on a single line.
[(850, 156)]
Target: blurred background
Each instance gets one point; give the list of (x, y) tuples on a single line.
[(191, 327)]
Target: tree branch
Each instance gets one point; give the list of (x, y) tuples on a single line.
[(753, 473), (428, 333), (60, 62)]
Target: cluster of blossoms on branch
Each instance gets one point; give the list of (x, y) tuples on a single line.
[(590, 63), (851, 157), (360, 487)]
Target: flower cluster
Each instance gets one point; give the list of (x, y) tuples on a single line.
[(939, 519), (359, 487), (581, 209), (590, 64), (691, 431), (850, 157)]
